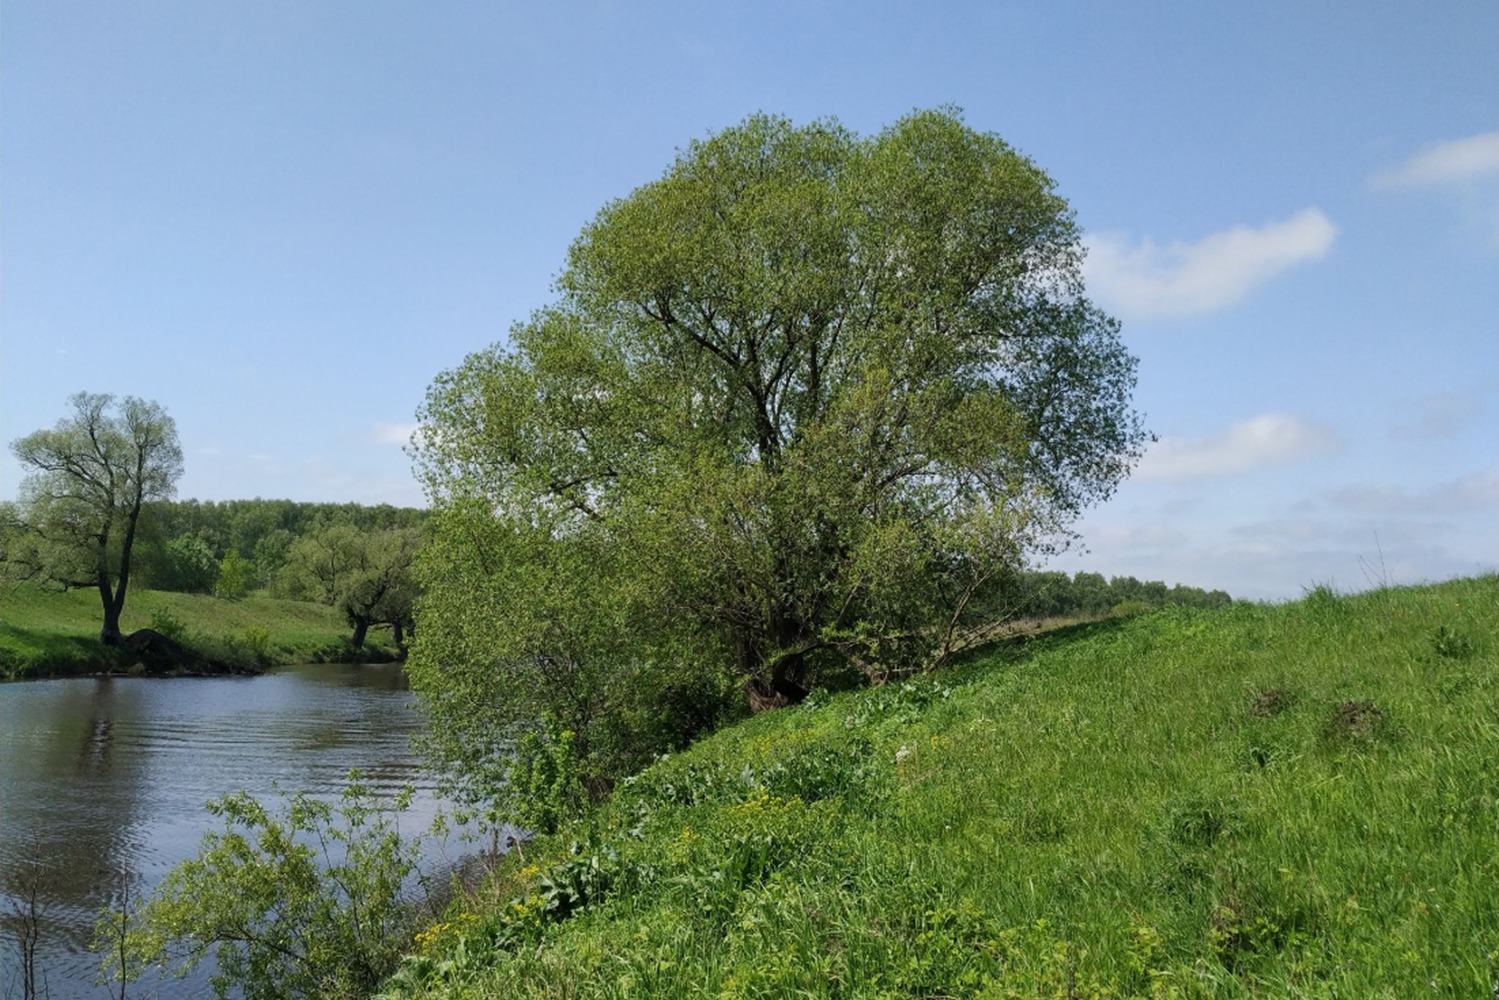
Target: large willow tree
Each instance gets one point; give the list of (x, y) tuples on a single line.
[(88, 478), (798, 404)]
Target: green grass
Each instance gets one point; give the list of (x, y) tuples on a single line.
[(1287, 801), (45, 633)]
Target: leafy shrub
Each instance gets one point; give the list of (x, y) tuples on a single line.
[(256, 640), (309, 902), (236, 576), (582, 878), (168, 624), (543, 787)]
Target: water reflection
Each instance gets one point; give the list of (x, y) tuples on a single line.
[(103, 781)]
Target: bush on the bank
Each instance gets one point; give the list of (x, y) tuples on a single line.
[(310, 901)]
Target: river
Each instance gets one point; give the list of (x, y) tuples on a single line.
[(103, 782)]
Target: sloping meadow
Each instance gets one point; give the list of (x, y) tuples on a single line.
[(1288, 801)]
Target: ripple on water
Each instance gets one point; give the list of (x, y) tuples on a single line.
[(103, 781)]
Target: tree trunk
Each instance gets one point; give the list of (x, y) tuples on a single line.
[(114, 596), (109, 633), (361, 629), (782, 689), (786, 672)]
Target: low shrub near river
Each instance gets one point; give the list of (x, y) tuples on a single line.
[(1255, 801)]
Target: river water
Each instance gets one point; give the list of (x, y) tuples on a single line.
[(103, 781)]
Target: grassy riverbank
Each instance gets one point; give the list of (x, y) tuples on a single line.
[(1290, 801), (46, 633)]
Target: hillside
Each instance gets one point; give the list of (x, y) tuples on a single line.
[(1287, 801), (48, 633)]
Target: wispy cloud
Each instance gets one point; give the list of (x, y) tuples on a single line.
[(1445, 163), (1139, 537), (1143, 280), (1479, 491), (1269, 439), (397, 434), (1437, 417)]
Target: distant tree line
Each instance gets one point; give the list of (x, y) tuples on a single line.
[(1050, 594), (97, 510), (349, 556), (184, 543)]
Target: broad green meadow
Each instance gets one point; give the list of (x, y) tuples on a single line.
[(1256, 801), (56, 633)]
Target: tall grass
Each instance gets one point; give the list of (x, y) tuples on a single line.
[(1291, 801)]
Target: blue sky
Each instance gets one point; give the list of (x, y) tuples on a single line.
[(281, 220)]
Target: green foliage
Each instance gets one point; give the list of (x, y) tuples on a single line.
[(802, 402), (257, 639), (542, 785), (236, 577), (1052, 594), (499, 651), (1070, 816), (168, 624), (192, 568), (1452, 645), (301, 903), (50, 633), (88, 480), (365, 574), (260, 532)]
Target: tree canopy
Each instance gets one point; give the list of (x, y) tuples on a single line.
[(365, 574), (91, 476), (249, 541), (798, 404)]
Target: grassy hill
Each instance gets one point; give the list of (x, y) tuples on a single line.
[(46, 633), (1288, 801)]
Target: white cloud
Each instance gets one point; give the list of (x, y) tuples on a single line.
[(398, 434), (1444, 163), (1185, 279), (1268, 439)]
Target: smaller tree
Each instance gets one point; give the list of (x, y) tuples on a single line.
[(381, 590), (365, 574), (236, 576), (91, 475), (192, 569)]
